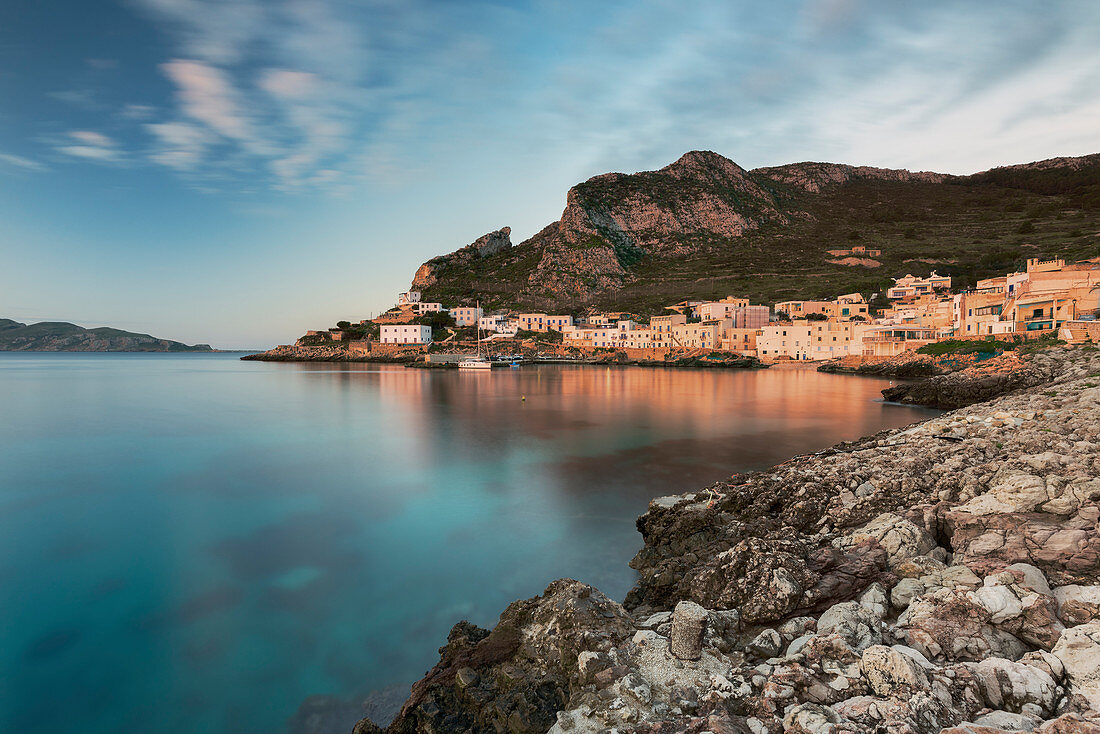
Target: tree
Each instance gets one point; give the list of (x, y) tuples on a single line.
[(816, 317), (343, 324), (438, 320)]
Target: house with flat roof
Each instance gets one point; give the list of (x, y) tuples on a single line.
[(405, 334)]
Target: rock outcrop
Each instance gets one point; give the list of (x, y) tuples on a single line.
[(485, 246), (817, 176), (981, 381), (704, 226), (901, 583)]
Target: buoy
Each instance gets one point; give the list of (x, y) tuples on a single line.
[(524, 398)]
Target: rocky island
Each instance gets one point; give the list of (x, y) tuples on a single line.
[(941, 576), (61, 336)]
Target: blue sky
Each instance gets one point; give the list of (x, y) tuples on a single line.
[(236, 171)]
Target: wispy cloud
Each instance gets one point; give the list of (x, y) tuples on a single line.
[(91, 145), (302, 94), (181, 145), (206, 95), (18, 161)]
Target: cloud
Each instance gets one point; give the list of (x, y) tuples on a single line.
[(300, 93), (92, 138), (137, 112), (288, 84), (215, 31), (82, 98), (180, 145), (90, 145), (19, 161), (91, 152), (206, 95)]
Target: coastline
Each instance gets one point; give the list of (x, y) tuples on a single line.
[(413, 357), (914, 576)]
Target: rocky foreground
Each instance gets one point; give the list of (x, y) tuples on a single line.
[(941, 576)]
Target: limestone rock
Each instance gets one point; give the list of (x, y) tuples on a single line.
[(891, 672), (1017, 687), (1078, 604), (1078, 649), (851, 621)]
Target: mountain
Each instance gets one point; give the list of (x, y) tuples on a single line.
[(704, 227), (60, 336)]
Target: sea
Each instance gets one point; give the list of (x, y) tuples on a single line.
[(194, 543)]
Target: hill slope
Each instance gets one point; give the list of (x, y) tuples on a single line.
[(60, 336), (704, 227)]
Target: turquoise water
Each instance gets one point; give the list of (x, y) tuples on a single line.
[(191, 543)]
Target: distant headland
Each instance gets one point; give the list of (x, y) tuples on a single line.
[(61, 336)]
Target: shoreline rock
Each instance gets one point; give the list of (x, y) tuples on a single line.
[(902, 583)]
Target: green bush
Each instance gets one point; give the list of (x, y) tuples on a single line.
[(966, 346)]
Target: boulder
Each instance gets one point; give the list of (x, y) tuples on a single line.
[(767, 644), (902, 595), (900, 538), (1078, 604), (1078, 649), (891, 672), (853, 622), (950, 625), (811, 718), (1017, 687), (875, 601)]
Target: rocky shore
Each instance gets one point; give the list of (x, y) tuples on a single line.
[(413, 355), (324, 353), (944, 576)]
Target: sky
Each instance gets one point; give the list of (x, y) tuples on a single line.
[(235, 172)]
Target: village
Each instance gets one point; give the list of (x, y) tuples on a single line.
[(1048, 297)]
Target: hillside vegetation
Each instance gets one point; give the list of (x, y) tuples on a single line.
[(703, 228)]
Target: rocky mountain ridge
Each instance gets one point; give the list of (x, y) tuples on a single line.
[(61, 336), (704, 226)]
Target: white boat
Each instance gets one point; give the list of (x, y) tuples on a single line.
[(478, 362)]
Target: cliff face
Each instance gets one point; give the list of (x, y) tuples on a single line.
[(705, 227), (60, 336), (485, 246), (817, 176)]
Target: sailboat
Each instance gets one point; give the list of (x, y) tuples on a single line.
[(479, 362)]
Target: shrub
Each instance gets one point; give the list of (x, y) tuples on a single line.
[(966, 346)]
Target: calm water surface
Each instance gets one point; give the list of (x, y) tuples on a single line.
[(190, 543)]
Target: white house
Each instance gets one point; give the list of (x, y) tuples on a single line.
[(408, 298), (423, 307), (405, 334)]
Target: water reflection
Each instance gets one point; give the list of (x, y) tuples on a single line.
[(223, 539)]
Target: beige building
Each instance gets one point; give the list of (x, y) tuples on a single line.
[(466, 315), (740, 341), (544, 322), (844, 308), (912, 286), (890, 341)]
